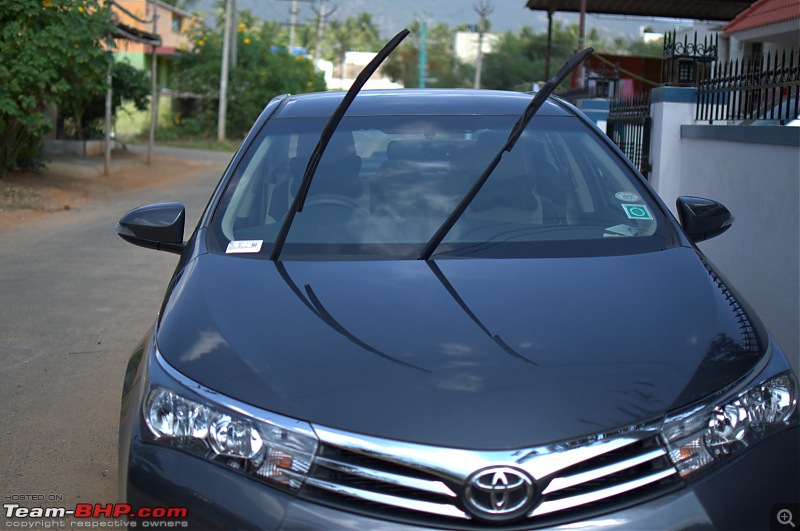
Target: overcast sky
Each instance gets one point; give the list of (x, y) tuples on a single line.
[(392, 15)]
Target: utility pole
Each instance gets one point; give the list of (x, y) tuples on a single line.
[(484, 8), (153, 87), (223, 81), (423, 53), (582, 42), (292, 24), (322, 15), (234, 36), (107, 123)]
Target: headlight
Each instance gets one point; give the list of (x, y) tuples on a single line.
[(258, 448), (708, 434)]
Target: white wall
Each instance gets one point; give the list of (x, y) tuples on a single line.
[(754, 171), (760, 254)]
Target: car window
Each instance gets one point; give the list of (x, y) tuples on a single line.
[(386, 183)]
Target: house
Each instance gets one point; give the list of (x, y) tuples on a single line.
[(766, 27), (172, 27)]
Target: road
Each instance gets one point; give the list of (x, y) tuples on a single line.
[(74, 301)]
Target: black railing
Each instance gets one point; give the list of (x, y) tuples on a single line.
[(629, 126), (762, 88), (684, 62)]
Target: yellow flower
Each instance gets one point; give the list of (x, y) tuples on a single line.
[(247, 40), (201, 42), (47, 3), (241, 27), (310, 84), (80, 8)]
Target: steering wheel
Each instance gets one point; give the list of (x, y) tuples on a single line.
[(334, 201)]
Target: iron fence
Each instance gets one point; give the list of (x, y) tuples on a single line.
[(629, 126), (760, 88)]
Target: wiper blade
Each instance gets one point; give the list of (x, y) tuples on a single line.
[(312, 302), (456, 297), (535, 104), (325, 138)]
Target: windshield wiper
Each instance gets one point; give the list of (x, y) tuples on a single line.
[(456, 297), (312, 302), (325, 137), (535, 104)]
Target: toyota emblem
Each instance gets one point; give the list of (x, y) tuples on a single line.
[(499, 493)]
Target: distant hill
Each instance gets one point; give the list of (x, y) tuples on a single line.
[(392, 16)]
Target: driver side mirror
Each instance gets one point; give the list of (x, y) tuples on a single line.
[(703, 219), (158, 226)]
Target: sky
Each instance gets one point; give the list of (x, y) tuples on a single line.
[(392, 16)]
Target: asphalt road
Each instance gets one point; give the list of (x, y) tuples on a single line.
[(74, 301)]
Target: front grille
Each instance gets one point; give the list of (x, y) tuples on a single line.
[(410, 482)]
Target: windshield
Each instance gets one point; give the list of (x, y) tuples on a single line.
[(386, 183)]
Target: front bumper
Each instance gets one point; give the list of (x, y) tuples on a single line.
[(742, 495), (745, 492)]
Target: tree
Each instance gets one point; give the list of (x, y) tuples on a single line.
[(50, 52), (358, 33), (264, 69), (128, 85), (444, 69)]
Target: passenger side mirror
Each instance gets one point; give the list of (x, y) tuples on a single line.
[(158, 226), (703, 219)]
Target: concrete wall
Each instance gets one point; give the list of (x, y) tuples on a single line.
[(754, 171)]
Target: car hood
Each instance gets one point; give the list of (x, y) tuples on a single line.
[(483, 354)]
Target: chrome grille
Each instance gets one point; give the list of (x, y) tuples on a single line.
[(405, 481)]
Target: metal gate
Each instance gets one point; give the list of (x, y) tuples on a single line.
[(629, 126)]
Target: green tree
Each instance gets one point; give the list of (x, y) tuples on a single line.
[(128, 85), (50, 52), (264, 69), (358, 34), (444, 69)]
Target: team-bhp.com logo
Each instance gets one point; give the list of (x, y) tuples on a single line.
[(150, 516)]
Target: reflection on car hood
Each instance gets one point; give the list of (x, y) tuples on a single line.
[(465, 353)]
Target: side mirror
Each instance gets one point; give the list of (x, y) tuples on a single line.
[(703, 219), (158, 226)]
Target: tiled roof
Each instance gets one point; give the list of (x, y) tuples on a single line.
[(764, 13)]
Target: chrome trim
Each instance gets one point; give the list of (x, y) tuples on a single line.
[(395, 501), (434, 487), (217, 399), (570, 481), (589, 497), (456, 465)]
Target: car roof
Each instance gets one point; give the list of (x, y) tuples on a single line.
[(416, 102)]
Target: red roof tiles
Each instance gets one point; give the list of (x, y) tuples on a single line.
[(764, 13)]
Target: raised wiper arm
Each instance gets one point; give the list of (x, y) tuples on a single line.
[(325, 138), (535, 104)]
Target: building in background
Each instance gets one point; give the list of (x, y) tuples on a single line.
[(172, 26)]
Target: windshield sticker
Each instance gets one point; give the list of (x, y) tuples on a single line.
[(244, 246), (628, 197), (620, 230), (638, 212)]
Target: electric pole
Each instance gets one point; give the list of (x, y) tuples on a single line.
[(322, 15), (153, 87), (423, 53), (223, 81), (234, 37), (484, 8)]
